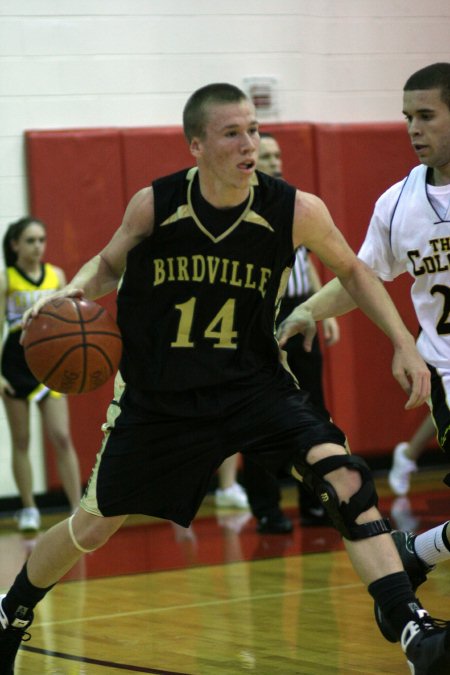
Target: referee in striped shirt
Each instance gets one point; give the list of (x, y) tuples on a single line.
[(262, 488)]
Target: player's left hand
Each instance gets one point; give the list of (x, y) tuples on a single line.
[(411, 371), (298, 321)]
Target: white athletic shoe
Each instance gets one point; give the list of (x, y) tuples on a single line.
[(29, 519), (403, 515), (402, 468), (233, 497)]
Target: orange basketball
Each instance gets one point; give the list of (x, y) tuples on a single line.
[(73, 345)]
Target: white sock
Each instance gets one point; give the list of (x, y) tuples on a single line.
[(432, 546)]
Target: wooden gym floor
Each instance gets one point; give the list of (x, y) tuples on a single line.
[(220, 598)]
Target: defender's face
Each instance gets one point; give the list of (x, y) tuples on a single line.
[(30, 246), (269, 158), (228, 149), (428, 120)]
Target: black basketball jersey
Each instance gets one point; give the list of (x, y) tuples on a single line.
[(197, 301)]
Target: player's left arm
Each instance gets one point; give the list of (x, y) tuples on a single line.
[(314, 228)]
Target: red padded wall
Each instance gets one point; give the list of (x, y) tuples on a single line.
[(152, 152), (297, 144), (356, 163), (80, 182), (76, 187)]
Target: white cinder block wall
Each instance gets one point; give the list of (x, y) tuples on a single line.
[(78, 63)]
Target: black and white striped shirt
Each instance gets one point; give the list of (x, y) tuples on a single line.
[(299, 283)]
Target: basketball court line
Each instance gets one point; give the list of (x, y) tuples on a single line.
[(197, 605), (97, 662)]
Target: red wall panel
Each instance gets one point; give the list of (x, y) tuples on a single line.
[(76, 187), (81, 180), (297, 144), (152, 152)]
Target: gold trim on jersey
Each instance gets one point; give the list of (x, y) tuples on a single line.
[(181, 212), (256, 219), (280, 294), (187, 210), (281, 291), (89, 499)]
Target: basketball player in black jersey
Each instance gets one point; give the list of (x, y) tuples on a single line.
[(203, 256)]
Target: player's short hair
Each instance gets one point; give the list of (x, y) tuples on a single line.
[(196, 109), (435, 76)]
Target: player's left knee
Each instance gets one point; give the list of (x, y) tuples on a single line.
[(91, 532), (362, 495)]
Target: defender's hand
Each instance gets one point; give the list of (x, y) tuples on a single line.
[(298, 321)]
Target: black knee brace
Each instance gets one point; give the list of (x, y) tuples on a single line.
[(343, 515)]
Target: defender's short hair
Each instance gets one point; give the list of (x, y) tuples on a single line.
[(435, 76)]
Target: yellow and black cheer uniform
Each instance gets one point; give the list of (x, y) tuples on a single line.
[(21, 294), (201, 364)]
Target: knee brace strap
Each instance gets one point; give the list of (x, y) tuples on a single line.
[(74, 539), (342, 514)]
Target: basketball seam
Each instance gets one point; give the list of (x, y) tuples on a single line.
[(81, 318), (74, 334), (70, 351)]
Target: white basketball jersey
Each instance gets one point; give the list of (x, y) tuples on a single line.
[(407, 234)]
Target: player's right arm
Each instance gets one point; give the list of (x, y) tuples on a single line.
[(102, 273)]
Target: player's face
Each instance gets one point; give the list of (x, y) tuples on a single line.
[(226, 153), (30, 246), (428, 120), (269, 158)]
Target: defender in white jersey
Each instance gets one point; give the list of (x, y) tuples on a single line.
[(397, 243), (410, 232)]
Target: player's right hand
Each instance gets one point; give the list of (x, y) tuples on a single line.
[(65, 292)]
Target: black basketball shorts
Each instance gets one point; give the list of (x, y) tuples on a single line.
[(440, 397), (161, 464)]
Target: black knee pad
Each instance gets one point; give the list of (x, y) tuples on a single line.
[(343, 515)]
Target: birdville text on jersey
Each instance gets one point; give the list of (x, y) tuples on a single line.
[(211, 269)]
